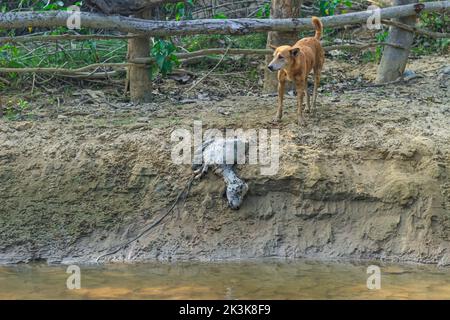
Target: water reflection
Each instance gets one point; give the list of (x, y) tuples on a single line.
[(237, 280)]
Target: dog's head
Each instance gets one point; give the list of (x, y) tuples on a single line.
[(283, 56)]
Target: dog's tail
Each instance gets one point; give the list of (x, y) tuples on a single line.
[(319, 27)]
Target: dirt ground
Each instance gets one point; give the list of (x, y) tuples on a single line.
[(366, 178)]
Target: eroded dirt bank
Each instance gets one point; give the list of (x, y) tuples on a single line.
[(367, 177)]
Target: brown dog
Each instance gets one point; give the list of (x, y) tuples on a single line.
[(294, 64)]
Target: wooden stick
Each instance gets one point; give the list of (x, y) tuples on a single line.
[(182, 56), (206, 52), (64, 70), (7, 82), (212, 70), (360, 46), (51, 38), (409, 28)]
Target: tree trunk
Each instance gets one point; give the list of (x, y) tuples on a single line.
[(280, 9), (393, 61), (13, 20), (138, 75)]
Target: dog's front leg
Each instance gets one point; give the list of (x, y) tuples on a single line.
[(300, 86), (281, 88)]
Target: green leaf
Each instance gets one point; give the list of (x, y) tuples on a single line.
[(160, 61), (219, 16)]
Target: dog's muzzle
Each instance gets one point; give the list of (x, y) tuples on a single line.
[(270, 68)]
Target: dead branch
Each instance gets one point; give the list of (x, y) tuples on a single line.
[(77, 37), (7, 82), (13, 20), (81, 72), (212, 70), (64, 70), (409, 28), (359, 46)]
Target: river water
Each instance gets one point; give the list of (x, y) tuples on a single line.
[(226, 280)]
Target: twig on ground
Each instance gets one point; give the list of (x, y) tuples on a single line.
[(7, 82), (211, 71)]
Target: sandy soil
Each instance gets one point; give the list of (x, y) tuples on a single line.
[(367, 177)]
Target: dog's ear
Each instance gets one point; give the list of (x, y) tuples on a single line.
[(295, 52), (273, 47)]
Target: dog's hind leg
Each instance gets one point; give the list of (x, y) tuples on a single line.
[(316, 86), (300, 92), (308, 102)]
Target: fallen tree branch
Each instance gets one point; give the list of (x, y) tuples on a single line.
[(96, 75), (7, 82), (13, 20), (409, 28), (81, 72), (52, 38), (199, 59), (61, 72), (64, 70), (360, 46), (206, 52)]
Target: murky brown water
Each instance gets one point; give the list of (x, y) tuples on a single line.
[(245, 280)]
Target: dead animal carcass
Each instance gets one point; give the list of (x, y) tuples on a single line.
[(215, 153)]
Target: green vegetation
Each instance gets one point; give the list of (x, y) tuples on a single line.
[(263, 12), (328, 7), (15, 110), (163, 51), (433, 22), (65, 54), (179, 11)]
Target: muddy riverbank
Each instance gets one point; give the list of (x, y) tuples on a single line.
[(367, 177)]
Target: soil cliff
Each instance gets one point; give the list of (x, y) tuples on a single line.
[(367, 177)]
